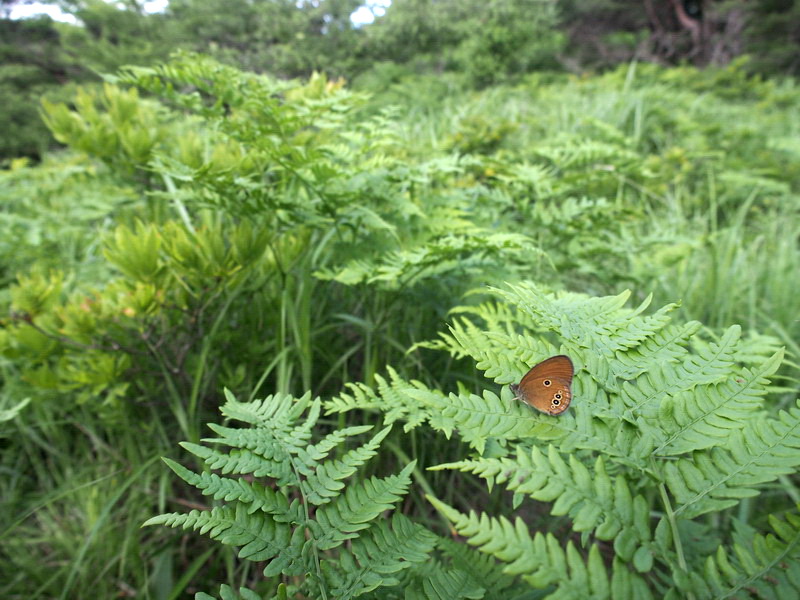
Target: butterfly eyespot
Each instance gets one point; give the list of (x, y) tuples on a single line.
[(556, 401), (557, 397), (547, 382)]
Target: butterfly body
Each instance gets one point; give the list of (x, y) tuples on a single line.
[(547, 386)]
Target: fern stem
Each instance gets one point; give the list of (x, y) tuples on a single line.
[(676, 538), (301, 488)]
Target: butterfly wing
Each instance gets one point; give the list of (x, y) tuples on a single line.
[(559, 367), (547, 386)]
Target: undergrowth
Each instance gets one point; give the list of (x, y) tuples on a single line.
[(637, 491), (211, 229)]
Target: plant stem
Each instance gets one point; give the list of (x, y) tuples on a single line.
[(676, 538)]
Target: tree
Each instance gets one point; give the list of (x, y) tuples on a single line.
[(282, 37), (32, 62), (486, 40), (111, 36)]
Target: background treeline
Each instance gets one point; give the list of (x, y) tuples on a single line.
[(483, 42)]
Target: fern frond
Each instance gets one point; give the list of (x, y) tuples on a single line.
[(325, 481), (665, 346), (276, 411), (502, 355), (498, 316), (483, 569), (633, 328), (260, 536), (376, 558), (585, 432), (355, 510), (244, 462), (284, 448), (406, 267), (711, 363), (479, 418), (226, 592), (601, 324), (276, 436), (717, 478), (706, 415), (411, 401), (321, 449), (593, 500), (358, 397), (252, 494), (758, 566), (565, 310), (445, 584), (755, 346), (580, 153), (291, 535), (541, 560)]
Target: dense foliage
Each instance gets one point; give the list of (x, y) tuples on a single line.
[(323, 259), (479, 43), (31, 64)]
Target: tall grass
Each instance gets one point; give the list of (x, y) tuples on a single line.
[(715, 182), (674, 182)]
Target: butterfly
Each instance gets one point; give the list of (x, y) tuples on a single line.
[(546, 387)]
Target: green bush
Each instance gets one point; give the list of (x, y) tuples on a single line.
[(32, 64), (276, 216), (288, 241)]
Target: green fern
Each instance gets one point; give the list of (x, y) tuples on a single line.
[(443, 584), (406, 267), (378, 557), (593, 500), (704, 416), (307, 516), (400, 400), (542, 561), (293, 523), (482, 569), (667, 423), (717, 478), (766, 566)]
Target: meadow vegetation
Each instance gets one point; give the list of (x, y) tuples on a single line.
[(309, 297)]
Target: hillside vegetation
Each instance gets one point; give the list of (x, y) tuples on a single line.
[(309, 299)]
